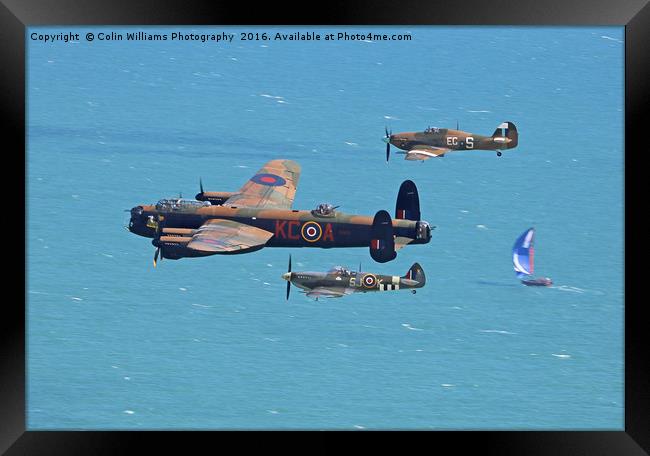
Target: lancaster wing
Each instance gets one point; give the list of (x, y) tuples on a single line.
[(424, 152), (274, 187), (228, 236)]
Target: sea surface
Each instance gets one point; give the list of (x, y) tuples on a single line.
[(211, 343)]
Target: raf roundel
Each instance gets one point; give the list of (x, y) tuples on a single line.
[(272, 180), (311, 231), (369, 280)]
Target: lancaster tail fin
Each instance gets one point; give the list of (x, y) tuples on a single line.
[(408, 202), (382, 241)]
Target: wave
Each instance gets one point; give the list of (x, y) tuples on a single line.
[(408, 326), (610, 38), (497, 331)]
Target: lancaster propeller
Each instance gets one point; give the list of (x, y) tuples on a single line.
[(199, 196), (155, 256), (156, 241)]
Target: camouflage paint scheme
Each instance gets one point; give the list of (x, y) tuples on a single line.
[(436, 142), (338, 281), (258, 216)]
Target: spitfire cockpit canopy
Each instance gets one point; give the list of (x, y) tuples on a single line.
[(431, 130), (324, 210), (339, 270), (179, 204)]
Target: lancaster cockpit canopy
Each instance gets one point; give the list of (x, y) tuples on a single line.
[(180, 205), (324, 210), (339, 270)]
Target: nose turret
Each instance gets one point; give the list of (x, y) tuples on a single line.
[(136, 212), (141, 223)]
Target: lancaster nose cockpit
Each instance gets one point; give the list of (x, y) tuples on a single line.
[(180, 205)]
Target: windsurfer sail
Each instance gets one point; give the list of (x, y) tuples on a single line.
[(523, 252), (522, 259)]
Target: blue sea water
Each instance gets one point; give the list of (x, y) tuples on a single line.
[(211, 343)]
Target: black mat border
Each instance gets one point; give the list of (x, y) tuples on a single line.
[(15, 15)]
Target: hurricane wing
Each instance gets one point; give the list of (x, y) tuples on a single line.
[(424, 152), (274, 186)]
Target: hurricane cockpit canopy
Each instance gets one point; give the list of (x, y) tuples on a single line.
[(324, 210), (339, 270), (179, 204), (431, 130)]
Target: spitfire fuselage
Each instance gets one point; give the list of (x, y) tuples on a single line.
[(353, 281)]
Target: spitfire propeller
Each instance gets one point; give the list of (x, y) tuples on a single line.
[(289, 279), (387, 141)]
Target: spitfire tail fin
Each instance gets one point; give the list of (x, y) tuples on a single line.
[(416, 273), (507, 130), (408, 202), (382, 242)]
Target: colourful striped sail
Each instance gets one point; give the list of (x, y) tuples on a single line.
[(523, 253)]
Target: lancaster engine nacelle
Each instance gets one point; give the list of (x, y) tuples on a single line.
[(214, 198)]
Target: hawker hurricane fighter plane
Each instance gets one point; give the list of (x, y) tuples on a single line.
[(436, 142), (338, 281), (260, 215)]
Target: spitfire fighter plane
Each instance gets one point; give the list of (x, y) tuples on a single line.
[(436, 142), (260, 215), (339, 281)]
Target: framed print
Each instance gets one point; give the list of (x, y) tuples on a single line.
[(377, 218)]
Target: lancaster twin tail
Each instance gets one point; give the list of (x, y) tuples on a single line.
[(436, 142), (339, 281), (260, 215)]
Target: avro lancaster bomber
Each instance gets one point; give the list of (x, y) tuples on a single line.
[(260, 215), (436, 142)]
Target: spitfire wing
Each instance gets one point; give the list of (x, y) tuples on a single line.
[(227, 236), (424, 152), (274, 186), (327, 292)]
